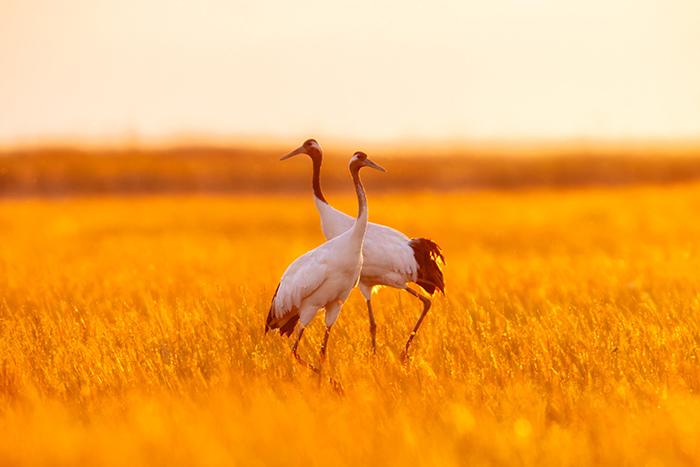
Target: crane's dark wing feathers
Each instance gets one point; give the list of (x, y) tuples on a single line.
[(286, 323), (430, 259)]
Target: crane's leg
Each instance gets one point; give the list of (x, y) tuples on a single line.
[(332, 312), (372, 326), (366, 291), (426, 307), (296, 355), (324, 345), (335, 384)]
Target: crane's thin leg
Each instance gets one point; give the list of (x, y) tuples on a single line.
[(296, 355), (366, 290), (372, 327), (335, 384), (426, 307), (324, 345)]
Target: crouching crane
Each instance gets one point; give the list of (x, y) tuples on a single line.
[(323, 277), (390, 258)]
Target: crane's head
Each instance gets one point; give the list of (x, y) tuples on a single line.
[(360, 159), (310, 147)]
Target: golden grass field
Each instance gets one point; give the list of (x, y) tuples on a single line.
[(131, 333)]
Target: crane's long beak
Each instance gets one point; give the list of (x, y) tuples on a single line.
[(299, 150), (369, 163)]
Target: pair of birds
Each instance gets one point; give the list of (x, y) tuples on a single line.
[(356, 253)]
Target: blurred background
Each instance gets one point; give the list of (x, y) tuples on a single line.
[(132, 96)]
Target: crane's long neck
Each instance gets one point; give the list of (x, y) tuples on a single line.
[(316, 179), (360, 226)]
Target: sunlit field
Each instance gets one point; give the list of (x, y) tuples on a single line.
[(131, 333)]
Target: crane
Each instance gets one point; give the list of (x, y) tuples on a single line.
[(390, 257), (324, 276)]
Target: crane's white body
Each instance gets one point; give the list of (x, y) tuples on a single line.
[(322, 278), (387, 255)]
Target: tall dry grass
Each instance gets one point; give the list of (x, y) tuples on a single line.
[(131, 332)]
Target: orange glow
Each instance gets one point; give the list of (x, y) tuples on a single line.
[(550, 147)]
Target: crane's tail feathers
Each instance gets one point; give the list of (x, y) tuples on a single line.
[(287, 328), (430, 260), (285, 324)]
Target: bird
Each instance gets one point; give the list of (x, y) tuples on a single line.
[(324, 276), (391, 258)]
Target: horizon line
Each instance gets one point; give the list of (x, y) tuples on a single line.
[(516, 145)]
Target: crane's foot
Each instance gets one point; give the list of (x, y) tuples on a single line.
[(306, 364), (337, 387)]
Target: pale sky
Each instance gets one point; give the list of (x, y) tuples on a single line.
[(361, 69)]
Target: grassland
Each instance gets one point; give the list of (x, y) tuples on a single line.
[(131, 333), (250, 169)]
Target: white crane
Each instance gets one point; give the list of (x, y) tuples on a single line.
[(323, 277), (390, 258)]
